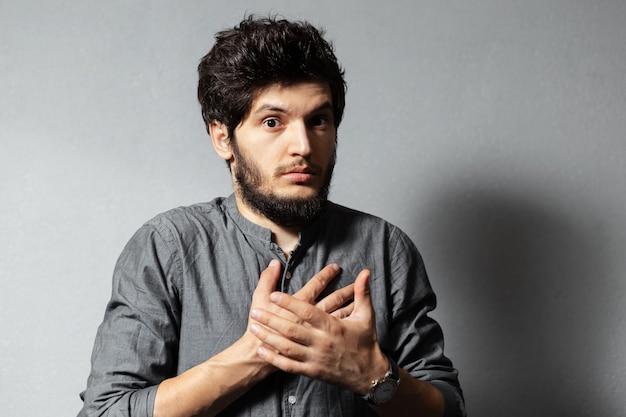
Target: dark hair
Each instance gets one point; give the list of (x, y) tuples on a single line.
[(260, 52)]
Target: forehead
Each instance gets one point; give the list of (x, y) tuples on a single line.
[(296, 97)]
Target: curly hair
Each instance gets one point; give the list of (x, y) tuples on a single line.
[(260, 52)]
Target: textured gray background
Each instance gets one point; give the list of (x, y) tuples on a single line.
[(491, 131)]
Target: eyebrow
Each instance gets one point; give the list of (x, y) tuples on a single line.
[(274, 107)]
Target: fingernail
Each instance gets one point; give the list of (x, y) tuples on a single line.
[(254, 314), (335, 267), (274, 263), (254, 328), (262, 352), (275, 297)]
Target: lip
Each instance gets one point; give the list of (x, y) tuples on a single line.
[(299, 174)]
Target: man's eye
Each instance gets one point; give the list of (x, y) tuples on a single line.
[(319, 121), (271, 123)]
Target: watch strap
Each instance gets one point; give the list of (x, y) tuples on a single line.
[(392, 374)]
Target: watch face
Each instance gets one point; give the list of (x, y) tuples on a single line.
[(384, 391)]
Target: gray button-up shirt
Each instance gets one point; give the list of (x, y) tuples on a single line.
[(182, 290)]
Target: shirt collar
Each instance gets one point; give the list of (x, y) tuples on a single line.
[(245, 225), (307, 235)]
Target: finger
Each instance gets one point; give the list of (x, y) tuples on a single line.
[(317, 283), (305, 312), (278, 343), (337, 299), (343, 312), (294, 331), (269, 278), (281, 362)]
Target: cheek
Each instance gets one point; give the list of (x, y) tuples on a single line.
[(326, 152)]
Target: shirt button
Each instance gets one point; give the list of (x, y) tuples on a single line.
[(288, 276), (292, 399)]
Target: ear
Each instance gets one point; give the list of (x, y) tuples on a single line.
[(221, 141)]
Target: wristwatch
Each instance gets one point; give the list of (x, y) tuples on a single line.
[(383, 389)]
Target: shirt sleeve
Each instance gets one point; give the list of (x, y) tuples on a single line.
[(136, 344), (418, 343)]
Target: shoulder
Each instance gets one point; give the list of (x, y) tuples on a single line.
[(337, 212), (186, 224), (193, 216), (352, 222), (349, 218)]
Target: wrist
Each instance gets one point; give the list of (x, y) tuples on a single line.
[(383, 388), (377, 366), (245, 351)]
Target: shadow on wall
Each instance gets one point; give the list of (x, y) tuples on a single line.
[(525, 274)]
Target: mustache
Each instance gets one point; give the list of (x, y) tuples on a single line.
[(307, 166)]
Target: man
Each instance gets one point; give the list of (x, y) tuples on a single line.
[(273, 301)]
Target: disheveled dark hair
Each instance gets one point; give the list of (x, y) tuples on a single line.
[(260, 52)]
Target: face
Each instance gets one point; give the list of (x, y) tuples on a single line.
[(283, 153)]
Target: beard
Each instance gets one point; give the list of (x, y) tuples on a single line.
[(284, 211)]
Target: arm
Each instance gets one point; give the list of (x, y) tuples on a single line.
[(135, 351), (209, 387), (340, 351)]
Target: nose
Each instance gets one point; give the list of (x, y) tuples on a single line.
[(299, 140)]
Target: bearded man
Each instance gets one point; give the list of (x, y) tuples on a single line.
[(273, 301)]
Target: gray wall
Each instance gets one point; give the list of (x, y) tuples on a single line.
[(491, 131)]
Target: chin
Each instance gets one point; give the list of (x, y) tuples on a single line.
[(300, 194)]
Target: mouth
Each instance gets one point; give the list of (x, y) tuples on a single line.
[(300, 174), (300, 170)]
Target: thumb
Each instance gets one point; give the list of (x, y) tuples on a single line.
[(362, 297)]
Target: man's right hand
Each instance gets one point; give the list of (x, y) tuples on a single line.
[(338, 303)]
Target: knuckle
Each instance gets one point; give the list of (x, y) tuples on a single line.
[(315, 373), (290, 368), (339, 299), (307, 314), (327, 345), (305, 295), (323, 277), (290, 331), (286, 351)]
